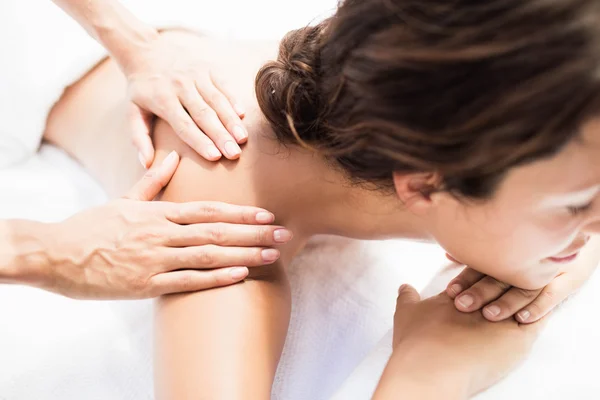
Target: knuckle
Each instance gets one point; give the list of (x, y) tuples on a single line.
[(205, 258), (262, 235), (180, 82), (253, 257), (549, 296), (217, 234), (493, 283), (184, 128), (205, 112), (149, 175), (216, 98), (162, 99), (215, 279), (186, 283), (210, 211), (527, 294), (500, 285)]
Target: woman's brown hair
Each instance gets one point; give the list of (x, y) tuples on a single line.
[(464, 88)]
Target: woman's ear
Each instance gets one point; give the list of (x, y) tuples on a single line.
[(415, 189)]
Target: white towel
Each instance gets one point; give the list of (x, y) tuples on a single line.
[(563, 363)]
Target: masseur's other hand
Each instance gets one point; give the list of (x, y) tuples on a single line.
[(134, 248), (473, 291), (167, 79), (434, 341)]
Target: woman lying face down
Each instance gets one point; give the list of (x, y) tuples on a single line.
[(471, 124)]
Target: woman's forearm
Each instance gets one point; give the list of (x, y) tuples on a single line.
[(23, 255), (112, 25), (422, 378)]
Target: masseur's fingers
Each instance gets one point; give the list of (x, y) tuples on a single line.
[(155, 179), (224, 88), (191, 281), (223, 234), (509, 303), (467, 278), (480, 294), (204, 116), (140, 123), (223, 108), (187, 130), (214, 211), (211, 256)]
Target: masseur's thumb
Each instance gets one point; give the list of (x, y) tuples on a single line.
[(155, 179), (407, 295), (140, 123)]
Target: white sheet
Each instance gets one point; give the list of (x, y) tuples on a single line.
[(55, 348)]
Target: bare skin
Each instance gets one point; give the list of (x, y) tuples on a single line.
[(89, 122), (201, 346)]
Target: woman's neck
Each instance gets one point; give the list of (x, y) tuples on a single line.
[(310, 196)]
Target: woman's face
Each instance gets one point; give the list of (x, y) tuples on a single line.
[(538, 220)]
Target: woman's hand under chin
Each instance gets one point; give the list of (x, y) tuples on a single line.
[(439, 352), (473, 291)]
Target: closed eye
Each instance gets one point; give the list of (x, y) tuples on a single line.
[(575, 211)]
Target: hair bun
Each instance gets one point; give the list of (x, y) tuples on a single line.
[(293, 82)]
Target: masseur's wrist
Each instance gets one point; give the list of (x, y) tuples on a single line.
[(124, 36), (422, 376), (24, 255)]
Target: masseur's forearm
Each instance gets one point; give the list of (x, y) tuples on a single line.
[(113, 26), (420, 379), (23, 255)]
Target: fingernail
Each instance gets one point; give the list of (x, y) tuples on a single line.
[(238, 273), (239, 109), (401, 288), (232, 149), (239, 133), (270, 255), (213, 152), (264, 217), (282, 235), (172, 157), (142, 159), (465, 300), (456, 289), (492, 311), (524, 315)]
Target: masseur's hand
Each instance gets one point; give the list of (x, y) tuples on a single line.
[(133, 248), (473, 290), (168, 80), (439, 352)]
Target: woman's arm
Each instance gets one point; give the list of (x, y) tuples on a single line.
[(219, 344), (439, 352)]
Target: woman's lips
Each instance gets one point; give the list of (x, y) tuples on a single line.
[(574, 251), (563, 260)]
